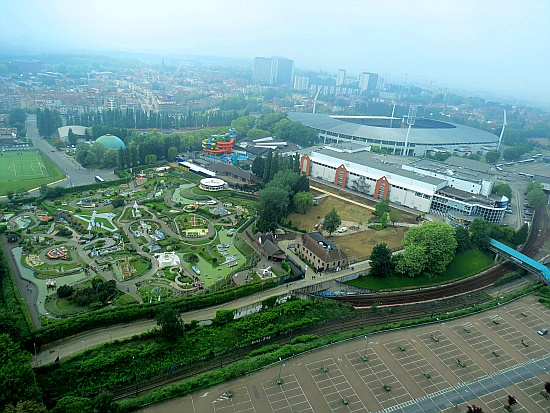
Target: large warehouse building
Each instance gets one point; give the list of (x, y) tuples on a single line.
[(458, 189), (426, 136)]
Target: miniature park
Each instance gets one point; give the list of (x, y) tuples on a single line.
[(160, 234)]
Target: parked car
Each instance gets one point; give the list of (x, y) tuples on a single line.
[(542, 332), (343, 229)]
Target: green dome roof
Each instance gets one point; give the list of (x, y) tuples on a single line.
[(111, 141)]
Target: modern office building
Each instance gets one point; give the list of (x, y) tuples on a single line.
[(262, 70), (368, 81), (273, 71), (340, 77), (301, 83), (458, 190)]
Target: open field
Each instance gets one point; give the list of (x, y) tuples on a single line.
[(347, 212), (21, 171), (355, 244), (360, 244)]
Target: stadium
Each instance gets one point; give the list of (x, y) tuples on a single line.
[(427, 136)]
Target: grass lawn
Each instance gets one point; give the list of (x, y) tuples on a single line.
[(21, 171), (463, 265)]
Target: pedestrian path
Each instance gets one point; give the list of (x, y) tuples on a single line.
[(464, 392)]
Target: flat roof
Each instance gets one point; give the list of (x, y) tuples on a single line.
[(454, 134), (379, 162)]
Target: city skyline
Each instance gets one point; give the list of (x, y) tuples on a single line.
[(491, 47)]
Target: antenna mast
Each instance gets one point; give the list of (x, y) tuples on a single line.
[(411, 120)]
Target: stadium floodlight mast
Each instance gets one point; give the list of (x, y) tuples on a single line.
[(411, 120), (504, 124)]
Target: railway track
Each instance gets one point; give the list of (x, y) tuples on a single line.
[(537, 237), (389, 308)]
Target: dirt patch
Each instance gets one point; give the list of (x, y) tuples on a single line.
[(347, 212), (359, 245)]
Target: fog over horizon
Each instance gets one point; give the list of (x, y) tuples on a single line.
[(497, 48)]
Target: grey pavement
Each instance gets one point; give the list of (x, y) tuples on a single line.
[(78, 343), (464, 392), (77, 175)]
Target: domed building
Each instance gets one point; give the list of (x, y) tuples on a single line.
[(111, 141)]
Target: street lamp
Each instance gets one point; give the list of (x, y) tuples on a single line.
[(438, 327), (366, 346)]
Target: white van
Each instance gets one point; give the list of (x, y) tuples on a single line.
[(343, 229)]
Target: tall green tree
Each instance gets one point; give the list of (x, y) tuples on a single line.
[(462, 237), (171, 153), (73, 137), (303, 202), (536, 198), (380, 260), (332, 221), (273, 203), (492, 157), (502, 189), (438, 240), (17, 380), (521, 235), (170, 324), (382, 207), (479, 230), (412, 261)]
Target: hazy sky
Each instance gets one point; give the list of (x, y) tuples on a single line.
[(498, 46)]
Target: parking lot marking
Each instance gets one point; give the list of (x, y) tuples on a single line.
[(334, 386), (239, 402), (288, 396)]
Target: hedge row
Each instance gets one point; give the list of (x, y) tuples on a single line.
[(10, 298), (111, 316)]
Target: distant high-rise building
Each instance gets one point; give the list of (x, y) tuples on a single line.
[(340, 77), (262, 70), (284, 69), (274, 71), (301, 83), (368, 81)]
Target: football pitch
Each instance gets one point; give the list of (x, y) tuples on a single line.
[(24, 170)]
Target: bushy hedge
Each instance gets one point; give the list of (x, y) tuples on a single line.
[(111, 316), (10, 299)]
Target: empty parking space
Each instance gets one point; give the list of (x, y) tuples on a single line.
[(288, 397), (239, 402), (334, 386), (383, 384), (529, 318), (485, 346), (456, 360), (535, 392), (415, 365), (511, 335)]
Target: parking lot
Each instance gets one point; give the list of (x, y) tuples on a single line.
[(446, 366)]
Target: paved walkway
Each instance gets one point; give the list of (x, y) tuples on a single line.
[(91, 339), (464, 392)]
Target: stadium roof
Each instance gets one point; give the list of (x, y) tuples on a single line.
[(438, 133)]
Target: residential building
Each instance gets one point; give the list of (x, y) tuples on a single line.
[(322, 253)]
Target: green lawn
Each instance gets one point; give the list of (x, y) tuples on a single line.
[(21, 171), (463, 265)]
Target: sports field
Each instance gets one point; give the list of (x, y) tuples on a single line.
[(21, 171)]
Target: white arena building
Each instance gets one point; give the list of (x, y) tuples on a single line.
[(212, 184), (458, 189), (426, 136)]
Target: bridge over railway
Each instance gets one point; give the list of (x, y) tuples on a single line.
[(520, 259)]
